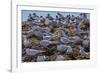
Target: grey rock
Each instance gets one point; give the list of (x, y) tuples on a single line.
[(69, 50), (26, 42), (82, 52), (41, 58), (60, 58), (86, 43)]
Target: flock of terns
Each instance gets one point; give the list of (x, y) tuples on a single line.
[(55, 38)]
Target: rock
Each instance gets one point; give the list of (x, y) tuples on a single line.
[(41, 58), (60, 58), (24, 32), (86, 43), (32, 23), (26, 42), (82, 52), (87, 37), (69, 50), (61, 48), (32, 52), (58, 33), (45, 43), (35, 41)]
